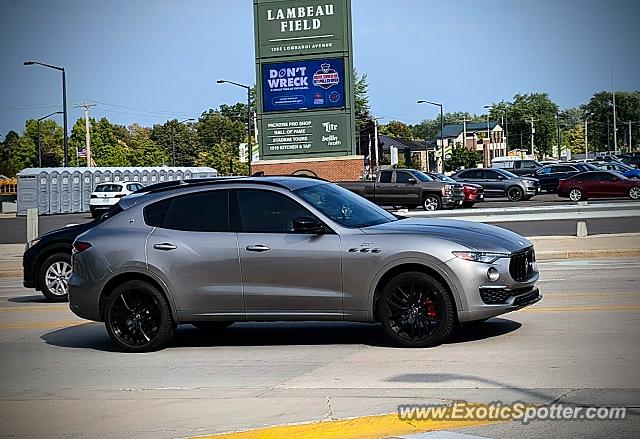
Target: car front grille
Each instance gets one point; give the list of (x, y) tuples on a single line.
[(521, 265), (500, 296)]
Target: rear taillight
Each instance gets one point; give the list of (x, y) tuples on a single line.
[(80, 246)]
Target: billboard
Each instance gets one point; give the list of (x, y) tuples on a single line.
[(303, 85), (301, 27), (308, 133)]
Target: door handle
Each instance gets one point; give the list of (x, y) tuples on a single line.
[(257, 248), (164, 246)]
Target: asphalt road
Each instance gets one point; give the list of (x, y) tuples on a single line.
[(579, 345), (13, 229)]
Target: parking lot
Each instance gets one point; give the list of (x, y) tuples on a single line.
[(578, 345)]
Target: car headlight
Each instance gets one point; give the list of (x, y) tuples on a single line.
[(32, 243), (529, 182), (484, 257)]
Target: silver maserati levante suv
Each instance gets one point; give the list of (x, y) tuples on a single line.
[(290, 248)]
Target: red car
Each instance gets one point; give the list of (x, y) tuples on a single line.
[(594, 184), (472, 192)]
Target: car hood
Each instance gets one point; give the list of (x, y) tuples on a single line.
[(71, 230), (475, 236), (529, 178)]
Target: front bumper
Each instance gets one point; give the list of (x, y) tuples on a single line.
[(482, 299)]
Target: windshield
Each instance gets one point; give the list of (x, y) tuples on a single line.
[(444, 178), (108, 188), (421, 176), (343, 207)]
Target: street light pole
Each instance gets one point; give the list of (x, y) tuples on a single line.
[(248, 88), (421, 101), (64, 105), (173, 140), (613, 93)]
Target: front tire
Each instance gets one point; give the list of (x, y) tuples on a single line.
[(138, 317), (634, 193), (514, 193), (53, 277), (416, 310), (431, 202)]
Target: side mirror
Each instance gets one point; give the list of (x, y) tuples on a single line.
[(411, 180), (308, 224), (501, 177)]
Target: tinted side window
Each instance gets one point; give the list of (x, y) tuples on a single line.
[(589, 177), (565, 168), (198, 212), (528, 164), (268, 212), (385, 176), (605, 176), (491, 175), (403, 177), (475, 173)]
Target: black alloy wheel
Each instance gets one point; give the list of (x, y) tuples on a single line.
[(138, 317), (416, 310), (514, 193)]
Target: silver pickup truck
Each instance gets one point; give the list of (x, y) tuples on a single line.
[(408, 188)]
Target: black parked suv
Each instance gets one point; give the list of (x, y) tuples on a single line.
[(550, 175), (500, 183)]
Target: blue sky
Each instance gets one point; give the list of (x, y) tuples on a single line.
[(146, 61)]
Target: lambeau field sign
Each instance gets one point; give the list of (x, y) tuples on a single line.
[(305, 81)]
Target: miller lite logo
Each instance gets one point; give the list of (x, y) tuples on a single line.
[(326, 77)]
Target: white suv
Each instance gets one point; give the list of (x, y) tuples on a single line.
[(106, 195)]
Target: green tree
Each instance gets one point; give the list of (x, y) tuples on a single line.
[(185, 137), (361, 99), (108, 146), (519, 113), (142, 151), (573, 138), (51, 142), (9, 149), (599, 111), (462, 157), (397, 129), (220, 137)]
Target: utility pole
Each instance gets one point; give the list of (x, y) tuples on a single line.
[(586, 143), (613, 93), (533, 131), (85, 106), (375, 142), (558, 128), (630, 143)]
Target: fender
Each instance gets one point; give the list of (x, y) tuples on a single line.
[(420, 259)]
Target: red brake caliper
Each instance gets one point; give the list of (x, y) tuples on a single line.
[(431, 309)]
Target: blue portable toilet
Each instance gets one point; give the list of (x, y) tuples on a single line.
[(55, 197), (43, 192), (76, 190)]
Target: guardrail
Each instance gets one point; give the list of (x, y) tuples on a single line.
[(579, 212)]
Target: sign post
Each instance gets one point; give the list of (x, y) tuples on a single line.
[(304, 81)]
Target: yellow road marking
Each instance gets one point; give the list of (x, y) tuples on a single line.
[(41, 325), (366, 427), (630, 307), (33, 308)]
